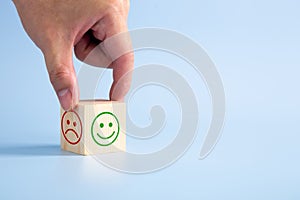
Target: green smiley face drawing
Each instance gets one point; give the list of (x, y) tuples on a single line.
[(105, 129)]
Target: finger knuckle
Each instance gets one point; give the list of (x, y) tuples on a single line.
[(58, 74)]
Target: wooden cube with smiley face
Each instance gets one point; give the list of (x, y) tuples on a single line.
[(94, 127)]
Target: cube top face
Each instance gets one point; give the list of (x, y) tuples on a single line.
[(94, 127)]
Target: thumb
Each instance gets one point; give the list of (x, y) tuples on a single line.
[(59, 62)]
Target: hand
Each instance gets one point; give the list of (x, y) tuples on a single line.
[(57, 27)]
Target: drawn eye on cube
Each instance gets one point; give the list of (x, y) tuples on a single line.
[(71, 127), (105, 129), (94, 127)]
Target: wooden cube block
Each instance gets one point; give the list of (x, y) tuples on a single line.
[(94, 127)]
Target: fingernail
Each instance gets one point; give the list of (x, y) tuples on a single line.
[(65, 99), (75, 97)]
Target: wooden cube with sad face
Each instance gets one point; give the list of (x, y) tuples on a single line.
[(94, 127)]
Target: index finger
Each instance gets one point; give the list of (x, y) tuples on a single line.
[(117, 46), (122, 76)]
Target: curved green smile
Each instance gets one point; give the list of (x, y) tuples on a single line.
[(104, 138), (100, 139)]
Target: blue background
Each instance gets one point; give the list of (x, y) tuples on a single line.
[(255, 45)]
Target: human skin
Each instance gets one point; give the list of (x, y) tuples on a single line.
[(58, 27)]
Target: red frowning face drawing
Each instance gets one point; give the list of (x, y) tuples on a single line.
[(71, 127)]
